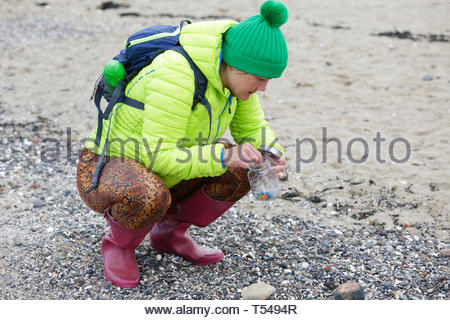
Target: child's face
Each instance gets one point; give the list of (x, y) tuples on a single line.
[(243, 84)]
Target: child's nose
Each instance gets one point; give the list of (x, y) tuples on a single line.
[(262, 86)]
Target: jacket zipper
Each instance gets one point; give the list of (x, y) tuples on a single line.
[(228, 104)]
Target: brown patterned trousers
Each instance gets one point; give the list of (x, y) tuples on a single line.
[(138, 197)]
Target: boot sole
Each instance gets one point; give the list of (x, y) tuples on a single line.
[(121, 284)]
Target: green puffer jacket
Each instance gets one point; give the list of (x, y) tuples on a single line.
[(164, 136)]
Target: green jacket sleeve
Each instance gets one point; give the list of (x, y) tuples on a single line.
[(168, 96), (248, 124)]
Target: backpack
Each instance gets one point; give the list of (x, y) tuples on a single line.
[(139, 51)]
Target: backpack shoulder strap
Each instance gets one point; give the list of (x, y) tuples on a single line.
[(200, 80), (117, 96), (201, 83)]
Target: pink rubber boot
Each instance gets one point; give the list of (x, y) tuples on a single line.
[(171, 235), (119, 259)]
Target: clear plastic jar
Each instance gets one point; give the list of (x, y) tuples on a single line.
[(264, 181)]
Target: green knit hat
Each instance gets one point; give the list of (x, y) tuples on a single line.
[(256, 45)]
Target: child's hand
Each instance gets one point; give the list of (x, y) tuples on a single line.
[(242, 156), (279, 164)]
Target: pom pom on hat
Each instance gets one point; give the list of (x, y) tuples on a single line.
[(274, 13)]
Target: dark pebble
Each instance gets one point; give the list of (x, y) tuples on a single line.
[(198, 296), (315, 199), (38, 204), (323, 250), (290, 195), (112, 5), (331, 285)]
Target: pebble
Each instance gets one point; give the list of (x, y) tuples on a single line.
[(427, 78), (257, 291), (349, 291), (37, 204), (445, 252)]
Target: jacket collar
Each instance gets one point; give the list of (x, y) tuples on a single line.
[(203, 42)]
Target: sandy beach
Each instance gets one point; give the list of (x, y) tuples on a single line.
[(363, 77)]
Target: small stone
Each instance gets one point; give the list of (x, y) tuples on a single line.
[(257, 291), (315, 199), (305, 265), (427, 78), (397, 294), (38, 204), (445, 252), (158, 257), (285, 176), (349, 291)]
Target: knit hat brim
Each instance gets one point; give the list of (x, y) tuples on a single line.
[(247, 64)]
